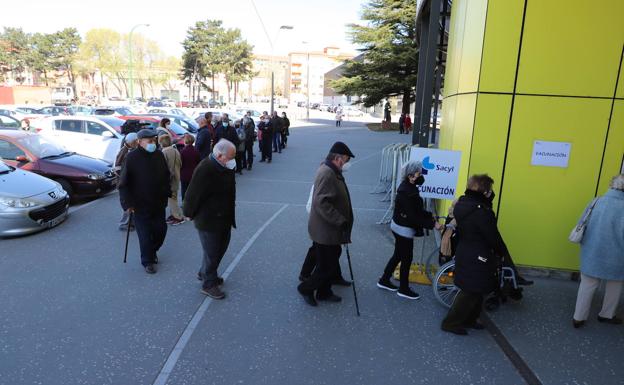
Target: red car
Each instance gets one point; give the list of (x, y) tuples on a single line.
[(176, 132), (79, 175)]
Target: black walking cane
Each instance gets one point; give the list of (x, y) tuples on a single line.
[(128, 236), (357, 307)]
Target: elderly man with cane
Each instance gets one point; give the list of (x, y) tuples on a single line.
[(210, 203), (329, 225), (143, 191)]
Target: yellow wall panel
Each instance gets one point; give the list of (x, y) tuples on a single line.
[(456, 33), (501, 43), (571, 47), (462, 134), (614, 154), (490, 137), (540, 205), (472, 46), (620, 90)]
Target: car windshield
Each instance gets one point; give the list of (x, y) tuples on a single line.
[(4, 168), (42, 147), (113, 121), (124, 111)]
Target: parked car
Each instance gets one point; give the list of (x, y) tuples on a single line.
[(165, 111), (156, 103), (8, 122), (55, 110), (79, 175), (176, 132), (114, 111), (81, 110), (29, 202), (183, 121), (82, 134), (112, 121)]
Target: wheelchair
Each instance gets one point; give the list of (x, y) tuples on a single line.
[(445, 291)]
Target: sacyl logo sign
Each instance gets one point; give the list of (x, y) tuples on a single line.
[(441, 168)]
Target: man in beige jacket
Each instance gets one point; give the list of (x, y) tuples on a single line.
[(174, 162), (329, 225)]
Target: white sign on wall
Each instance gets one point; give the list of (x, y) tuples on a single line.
[(551, 154), (442, 167)]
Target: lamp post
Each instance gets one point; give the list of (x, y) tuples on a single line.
[(307, 81), (288, 27), (130, 74)]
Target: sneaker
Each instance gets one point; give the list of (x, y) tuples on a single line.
[(408, 293), (176, 222), (150, 269), (386, 285), (213, 292)]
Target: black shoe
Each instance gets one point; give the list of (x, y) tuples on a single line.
[(408, 293), (458, 331), (476, 326), (612, 321), (386, 285), (577, 324), (330, 298), (523, 282), (150, 269), (303, 277), (213, 292), (341, 282), (308, 298), (200, 277)]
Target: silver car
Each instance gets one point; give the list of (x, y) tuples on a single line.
[(29, 202)]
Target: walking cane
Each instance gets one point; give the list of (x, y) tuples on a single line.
[(128, 236), (357, 307)]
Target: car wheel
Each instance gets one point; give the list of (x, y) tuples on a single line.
[(67, 187)]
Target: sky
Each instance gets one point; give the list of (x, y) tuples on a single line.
[(321, 23)]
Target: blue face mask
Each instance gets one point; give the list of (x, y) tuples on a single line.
[(225, 124), (151, 147)]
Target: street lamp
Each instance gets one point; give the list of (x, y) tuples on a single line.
[(307, 81), (130, 74), (288, 27)]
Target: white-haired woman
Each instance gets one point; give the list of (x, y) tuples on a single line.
[(408, 221), (602, 256)]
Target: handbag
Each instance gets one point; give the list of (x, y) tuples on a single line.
[(576, 235)]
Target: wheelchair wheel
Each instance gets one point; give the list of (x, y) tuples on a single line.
[(432, 265), (444, 288)]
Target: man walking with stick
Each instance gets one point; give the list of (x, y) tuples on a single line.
[(329, 225)]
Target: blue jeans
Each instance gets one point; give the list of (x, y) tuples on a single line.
[(214, 245), (277, 142), (151, 229)]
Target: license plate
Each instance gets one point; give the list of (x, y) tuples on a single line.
[(55, 221)]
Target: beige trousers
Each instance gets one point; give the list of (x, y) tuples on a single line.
[(586, 293), (174, 208)]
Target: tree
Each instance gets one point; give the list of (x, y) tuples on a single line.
[(236, 63), (98, 51), (14, 53), (42, 54), (65, 47), (389, 64)]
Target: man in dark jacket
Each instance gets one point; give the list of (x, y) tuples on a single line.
[(227, 131), (250, 135), (329, 225), (210, 204), (266, 129), (278, 126), (204, 139), (144, 188), (478, 255)]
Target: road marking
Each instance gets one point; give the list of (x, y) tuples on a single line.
[(94, 201), (302, 205), (177, 350)]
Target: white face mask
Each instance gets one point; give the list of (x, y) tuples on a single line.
[(231, 164), (346, 166)]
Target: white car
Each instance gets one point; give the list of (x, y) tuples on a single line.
[(166, 111), (83, 135)]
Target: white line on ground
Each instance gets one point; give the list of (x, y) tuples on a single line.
[(85, 205), (309, 183), (302, 205), (175, 354)]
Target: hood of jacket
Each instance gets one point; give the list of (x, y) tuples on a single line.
[(468, 203)]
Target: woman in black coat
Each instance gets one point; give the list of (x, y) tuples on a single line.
[(408, 221), (478, 255)]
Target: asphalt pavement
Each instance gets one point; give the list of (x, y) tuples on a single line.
[(71, 312)]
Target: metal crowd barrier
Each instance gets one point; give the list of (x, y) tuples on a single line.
[(393, 157)]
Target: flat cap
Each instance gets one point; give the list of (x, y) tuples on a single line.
[(147, 133), (341, 149)]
